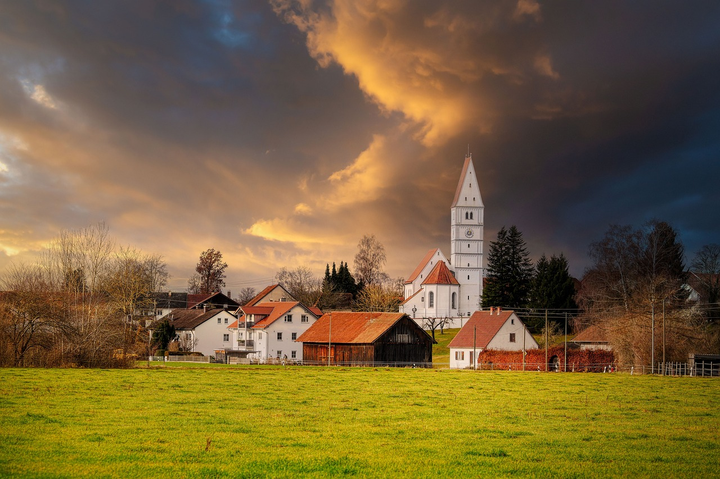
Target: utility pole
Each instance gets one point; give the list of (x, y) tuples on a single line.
[(329, 338), (546, 341), (663, 361), (565, 341), (474, 358), (652, 332)]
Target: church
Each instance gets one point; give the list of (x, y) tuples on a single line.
[(452, 289)]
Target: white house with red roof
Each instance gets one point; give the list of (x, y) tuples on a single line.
[(269, 329), (202, 330), (459, 284), (493, 329)]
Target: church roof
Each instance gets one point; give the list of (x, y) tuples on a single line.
[(426, 259), (413, 295), (466, 167), (440, 274)]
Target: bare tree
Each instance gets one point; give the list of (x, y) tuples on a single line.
[(245, 295), (433, 324), (380, 297), (301, 283), (28, 313), (210, 277), (705, 270), (370, 260)]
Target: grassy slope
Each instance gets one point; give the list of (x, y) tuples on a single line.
[(303, 421)]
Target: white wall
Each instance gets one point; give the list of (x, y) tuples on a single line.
[(209, 334), (269, 345)]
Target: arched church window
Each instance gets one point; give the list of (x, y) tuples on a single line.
[(471, 215), (454, 300), (431, 300), (466, 216)]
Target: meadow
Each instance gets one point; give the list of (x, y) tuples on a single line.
[(242, 421)]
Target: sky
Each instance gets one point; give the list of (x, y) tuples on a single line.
[(281, 132)]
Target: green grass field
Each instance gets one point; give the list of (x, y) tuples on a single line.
[(237, 421)]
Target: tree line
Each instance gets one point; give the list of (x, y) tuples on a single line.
[(80, 305), (635, 291)]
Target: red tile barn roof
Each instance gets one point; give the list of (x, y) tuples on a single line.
[(348, 328)]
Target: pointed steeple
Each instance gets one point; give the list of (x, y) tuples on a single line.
[(468, 186)]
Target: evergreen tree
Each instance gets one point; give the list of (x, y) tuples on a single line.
[(552, 286), (510, 271)]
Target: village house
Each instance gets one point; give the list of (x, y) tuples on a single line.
[(592, 338), (269, 330), (202, 330), (494, 329), (367, 338)]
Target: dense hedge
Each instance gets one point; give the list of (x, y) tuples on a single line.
[(577, 359)]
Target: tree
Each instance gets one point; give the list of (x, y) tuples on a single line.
[(245, 295), (29, 311), (636, 273), (705, 269), (510, 271), (301, 284), (210, 277), (552, 285), (369, 261), (163, 334), (379, 297)]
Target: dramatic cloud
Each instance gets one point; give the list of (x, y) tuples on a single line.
[(280, 133)]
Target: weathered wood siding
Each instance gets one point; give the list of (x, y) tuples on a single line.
[(405, 342)]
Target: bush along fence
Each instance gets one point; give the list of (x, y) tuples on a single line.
[(578, 360)]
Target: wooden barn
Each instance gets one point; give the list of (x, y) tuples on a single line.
[(367, 339)]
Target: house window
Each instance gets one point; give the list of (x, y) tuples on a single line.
[(293, 354), (459, 355), (241, 335), (288, 318), (226, 337), (294, 336), (431, 299), (188, 336), (226, 320), (304, 318), (512, 337), (219, 320), (259, 335), (279, 336), (512, 321), (279, 353), (454, 300)]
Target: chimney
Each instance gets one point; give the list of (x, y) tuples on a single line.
[(498, 310), (491, 310), (205, 308)]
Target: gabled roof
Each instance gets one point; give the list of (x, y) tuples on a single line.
[(213, 300), (426, 259), (440, 274), (192, 318), (592, 334), (278, 310), (170, 300), (485, 324), (262, 294), (350, 328)]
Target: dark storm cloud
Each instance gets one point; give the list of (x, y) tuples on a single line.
[(282, 133)]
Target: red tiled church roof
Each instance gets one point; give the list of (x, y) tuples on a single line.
[(426, 259), (440, 274)]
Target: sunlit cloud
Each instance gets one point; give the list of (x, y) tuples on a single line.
[(39, 94)]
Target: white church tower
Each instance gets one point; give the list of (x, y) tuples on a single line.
[(467, 227), (452, 290)]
